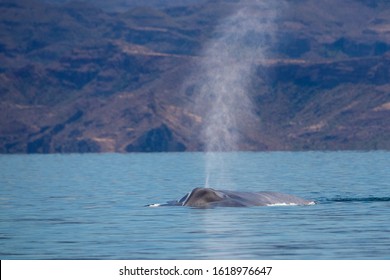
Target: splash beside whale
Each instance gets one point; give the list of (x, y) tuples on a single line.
[(208, 198)]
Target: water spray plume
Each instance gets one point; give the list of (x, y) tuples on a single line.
[(225, 72)]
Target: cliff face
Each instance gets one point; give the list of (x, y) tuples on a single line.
[(76, 78)]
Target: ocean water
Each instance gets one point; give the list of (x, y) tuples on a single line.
[(92, 206)]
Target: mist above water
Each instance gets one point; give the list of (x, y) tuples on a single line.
[(224, 75)]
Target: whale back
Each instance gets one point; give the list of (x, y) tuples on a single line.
[(208, 197)]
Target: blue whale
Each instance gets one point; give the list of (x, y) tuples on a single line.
[(208, 198)]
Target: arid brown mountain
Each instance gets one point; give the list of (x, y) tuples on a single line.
[(75, 77)]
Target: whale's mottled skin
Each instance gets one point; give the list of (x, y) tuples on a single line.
[(208, 197)]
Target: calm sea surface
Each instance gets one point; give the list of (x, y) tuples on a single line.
[(91, 206)]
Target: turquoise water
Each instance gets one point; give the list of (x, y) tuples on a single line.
[(91, 206)]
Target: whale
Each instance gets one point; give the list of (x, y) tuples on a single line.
[(209, 198)]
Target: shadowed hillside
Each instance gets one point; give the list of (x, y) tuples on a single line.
[(84, 77)]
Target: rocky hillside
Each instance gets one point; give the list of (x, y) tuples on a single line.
[(81, 78)]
